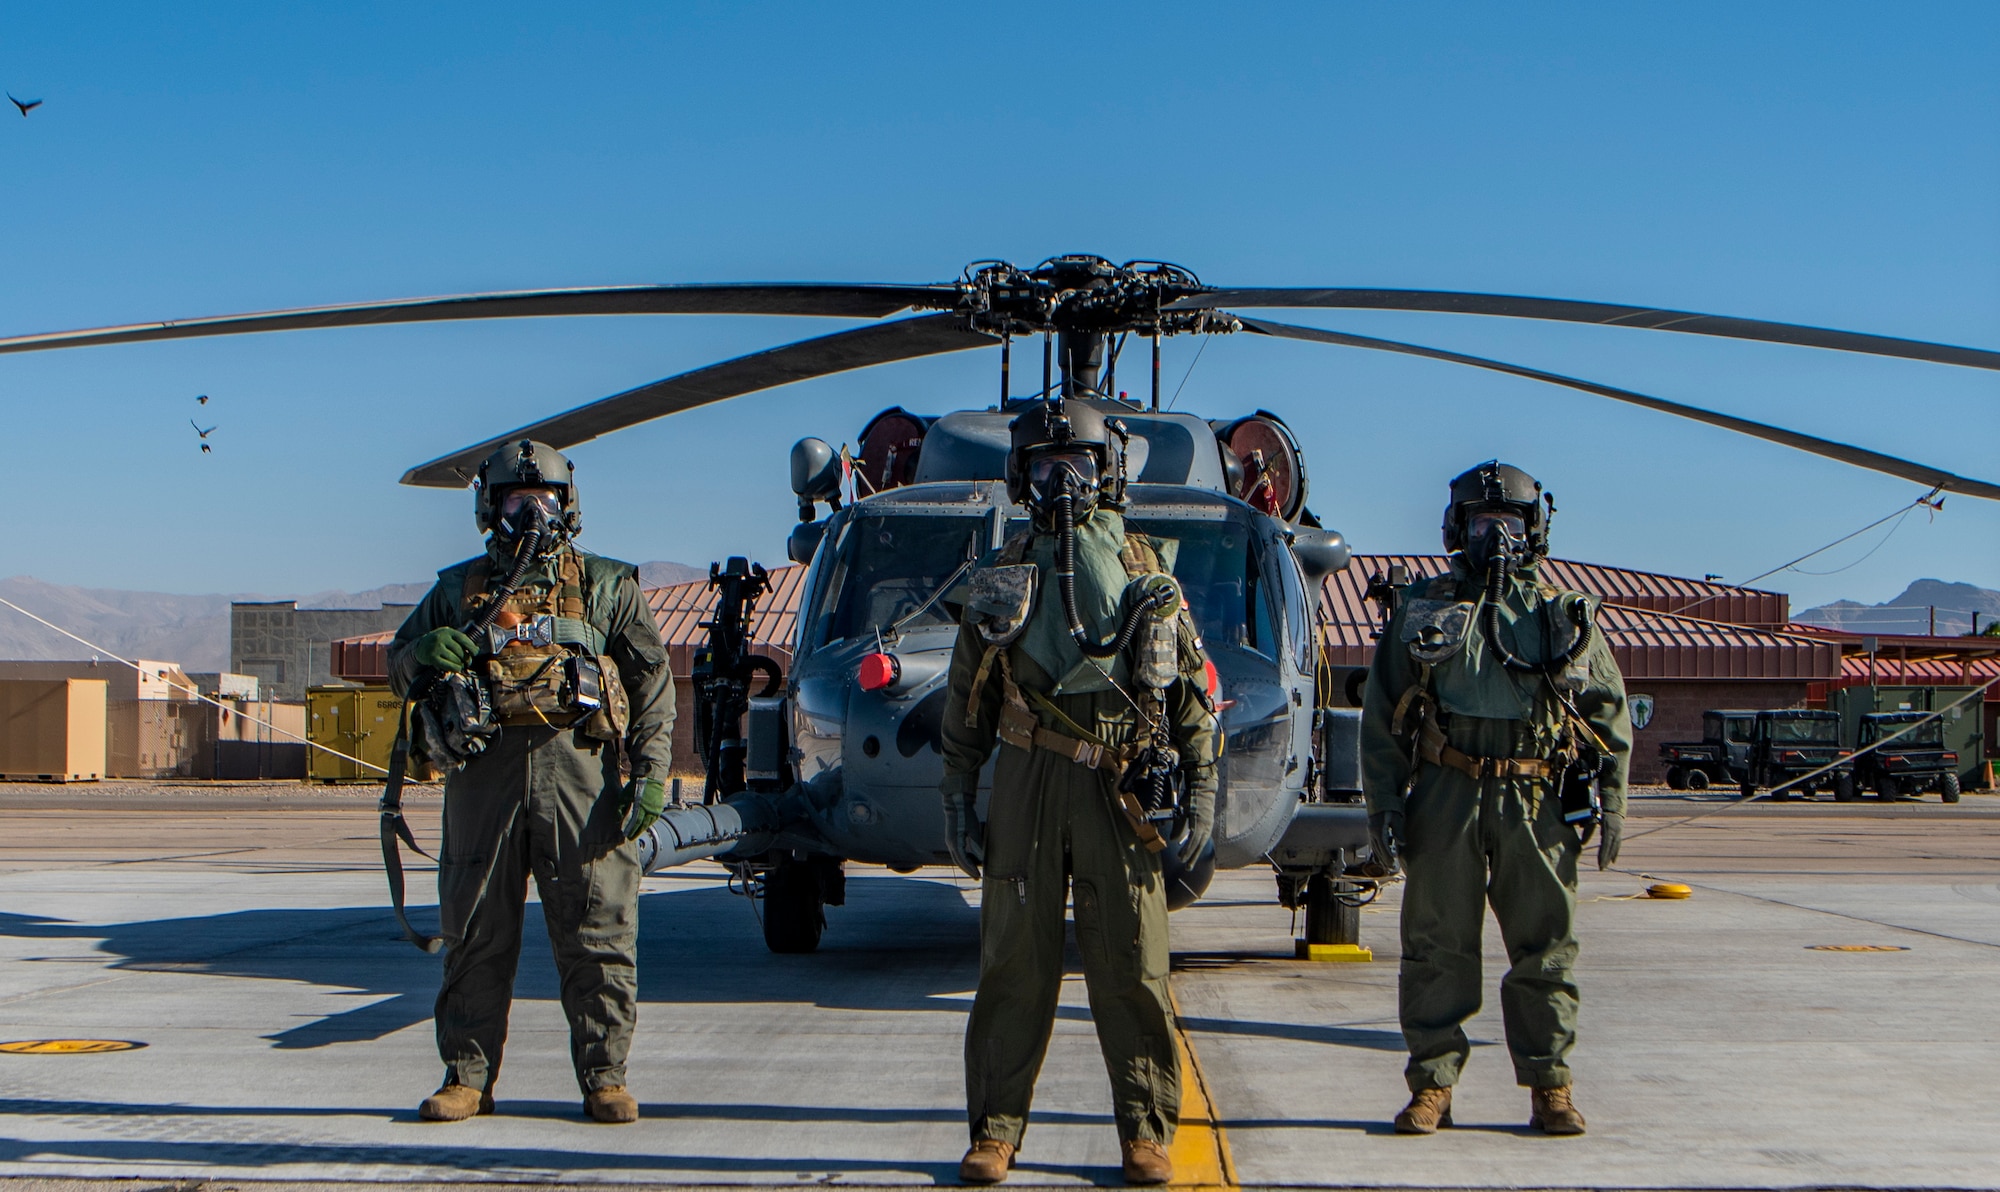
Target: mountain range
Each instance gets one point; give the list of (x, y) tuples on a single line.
[(190, 630), (1955, 607)]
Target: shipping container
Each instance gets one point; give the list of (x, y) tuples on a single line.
[(52, 730), (358, 721)]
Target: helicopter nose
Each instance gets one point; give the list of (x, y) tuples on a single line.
[(878, 671)]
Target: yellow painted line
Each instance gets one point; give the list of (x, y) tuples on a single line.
[(1201, 1148)]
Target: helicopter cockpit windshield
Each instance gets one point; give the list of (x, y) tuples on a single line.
[(887, 570), (1220, 568)]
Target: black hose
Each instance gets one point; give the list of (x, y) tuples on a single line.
[(524, 554), (1066, 583), (1496, 590)]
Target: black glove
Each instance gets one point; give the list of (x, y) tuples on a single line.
[(964, 835), (1201, 825), (1386, 834), (1610, 834)]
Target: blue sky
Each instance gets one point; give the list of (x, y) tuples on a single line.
[(1819, 163)]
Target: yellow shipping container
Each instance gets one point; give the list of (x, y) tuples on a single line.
[(360, 721), (52, 730)]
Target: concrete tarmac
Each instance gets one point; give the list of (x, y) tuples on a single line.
[(241, 933)]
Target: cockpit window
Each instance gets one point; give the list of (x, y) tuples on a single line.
[(1219, 567), (882, 568)]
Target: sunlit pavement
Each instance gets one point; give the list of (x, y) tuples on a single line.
[(242, 936)]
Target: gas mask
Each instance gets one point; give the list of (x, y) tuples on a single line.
[(523, 509), (1496, 536), (1052, 473)]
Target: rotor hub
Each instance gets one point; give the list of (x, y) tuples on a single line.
[(1090, 295)]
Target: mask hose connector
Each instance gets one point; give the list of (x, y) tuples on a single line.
[(1065, 519), (1496, 590)]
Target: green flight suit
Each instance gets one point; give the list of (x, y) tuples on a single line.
[(1051, 825), (544, 801), (1496, 840)]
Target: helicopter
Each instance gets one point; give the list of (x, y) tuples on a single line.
[(840, 760)]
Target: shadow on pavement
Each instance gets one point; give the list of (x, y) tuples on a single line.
[(897, 942), (566, 1110), (432, 1155)]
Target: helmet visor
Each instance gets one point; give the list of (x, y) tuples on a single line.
[(1488, 521), (1043, 467), (515, 501)]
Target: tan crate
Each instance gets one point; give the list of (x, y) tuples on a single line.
[(52, 730)]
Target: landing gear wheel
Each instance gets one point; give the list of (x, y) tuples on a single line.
[(1677, 778), (1948, 787), (1697, 780), (1843, 789), (1329, 918), (794, 908), (1748, 790)]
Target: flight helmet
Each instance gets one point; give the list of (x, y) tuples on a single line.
[(520, 464), (1494, 487), (1049, 434)]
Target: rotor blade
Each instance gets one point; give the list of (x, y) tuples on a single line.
[(801, 298), (882, 343), (1565, 310), (1860, 457)]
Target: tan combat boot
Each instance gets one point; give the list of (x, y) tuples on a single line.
[(1428, 1109), (455, 1103), (1554, 1112), (612, 1105), (1146, 1162), (986, 1162)]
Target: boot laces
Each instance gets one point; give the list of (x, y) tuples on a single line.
[(1557, 1098)]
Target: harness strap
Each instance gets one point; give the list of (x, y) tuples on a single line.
[(979, 678), (1433, 748), (395, 828), (1021, 728)]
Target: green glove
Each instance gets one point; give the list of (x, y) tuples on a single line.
[(445, 649), (1610, 834), (1201, 825), (644, 800)]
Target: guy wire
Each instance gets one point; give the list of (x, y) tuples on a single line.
[(1928, 498), (309, 743), (1190, 370)]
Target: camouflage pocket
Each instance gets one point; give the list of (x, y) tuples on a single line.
[(527, 681), (597, 678)]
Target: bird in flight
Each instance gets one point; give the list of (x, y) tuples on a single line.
[(205, 449), (26, 107), (201, 399)]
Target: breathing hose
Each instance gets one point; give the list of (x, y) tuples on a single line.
[(524, 554), (1496, 591), (1065, 518)]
